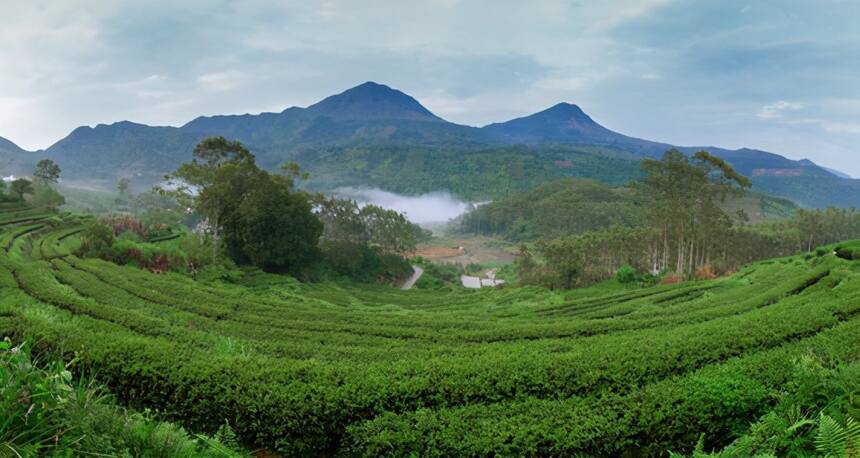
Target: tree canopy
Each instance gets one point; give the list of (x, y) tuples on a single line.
[(47, 172), (258, 218), (20, 187)]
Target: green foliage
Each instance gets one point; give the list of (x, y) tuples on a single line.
[(46, 197), (687, 232), (563, 207), (341, 368), (44, 411), (363, 263), (259, 217), (626, 274), (273, 228), (471, 173), (97, 240), (20, 187), (836, 440), (437, 276), (47, 172)]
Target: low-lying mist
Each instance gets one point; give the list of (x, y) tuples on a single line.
[(434, 207)]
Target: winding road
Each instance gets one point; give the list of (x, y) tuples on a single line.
[(416, 274)]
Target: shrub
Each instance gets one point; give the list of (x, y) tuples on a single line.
[(626, 274), (705, 273), (848, 253), (671, 279), (96, 241)]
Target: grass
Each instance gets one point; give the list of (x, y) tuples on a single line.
[(339, 368)]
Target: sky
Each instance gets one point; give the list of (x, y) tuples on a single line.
[(782, 76)]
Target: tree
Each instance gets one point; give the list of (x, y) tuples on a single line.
[(45, 196), (124, 197), (47, 172), (123, 187), (257, 217), (273, 227), (213, 182), (21, 186), (342, 220), (388, 230), (685, 197)]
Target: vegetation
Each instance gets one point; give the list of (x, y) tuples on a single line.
[(687, 231), (258, 217), (470, 173), (563, 207), (45, 412), (373, 135), (337, 368), (47, 172), (367, 243)]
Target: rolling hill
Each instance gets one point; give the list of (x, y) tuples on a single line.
[(374, 135), (329, 369)]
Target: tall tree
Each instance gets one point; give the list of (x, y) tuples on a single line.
[(212, 182), (259, 218), (20, 187), (685, 196), (273, 227), (47, 172)]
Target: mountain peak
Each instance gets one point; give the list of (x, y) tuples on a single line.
[(560, 122), (372, 100), (565, 109)]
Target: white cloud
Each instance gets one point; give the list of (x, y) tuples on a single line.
[(221, 81), (841, 127), (776, 110)]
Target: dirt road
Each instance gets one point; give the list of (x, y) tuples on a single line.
[(416, 274)]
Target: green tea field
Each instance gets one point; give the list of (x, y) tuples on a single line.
[(318, 369)]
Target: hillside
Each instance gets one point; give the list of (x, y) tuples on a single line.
[(310, 369), (573, 206), (13, 159), (567, 123), (340, 137)]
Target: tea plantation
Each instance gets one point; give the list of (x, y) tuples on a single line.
[(325, 368)]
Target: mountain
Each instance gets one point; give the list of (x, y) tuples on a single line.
[(374, 135), (14, 159), (122, 149), (838, 173), (567, 123), (370, 113), (372, 101)]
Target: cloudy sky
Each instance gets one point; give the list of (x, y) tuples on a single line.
[(783, 76)]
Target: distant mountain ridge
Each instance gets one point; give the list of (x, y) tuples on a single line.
[(376, 116), (566, 122), (13, 158)]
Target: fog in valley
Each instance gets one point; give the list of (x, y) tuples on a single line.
[(434, 207)]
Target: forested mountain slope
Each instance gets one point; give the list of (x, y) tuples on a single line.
[(573, 206), (361, 134)]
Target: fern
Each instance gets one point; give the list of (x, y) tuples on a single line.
[(834, 439)]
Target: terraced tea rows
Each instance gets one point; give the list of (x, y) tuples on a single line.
[(313, 369)]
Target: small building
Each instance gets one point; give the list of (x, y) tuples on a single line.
[(470, 282)]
